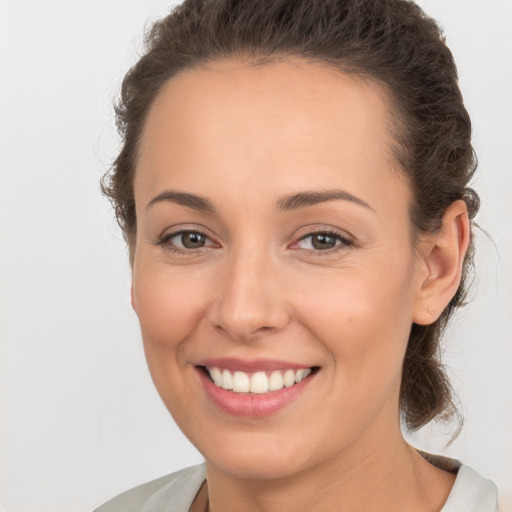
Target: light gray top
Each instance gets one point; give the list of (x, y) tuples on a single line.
[(176, 493)]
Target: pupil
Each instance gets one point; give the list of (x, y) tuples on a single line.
[(323, 242), (192, 240)]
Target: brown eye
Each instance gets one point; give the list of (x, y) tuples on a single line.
[(319, 241), (186, 240), (192, 240), (322, 241)]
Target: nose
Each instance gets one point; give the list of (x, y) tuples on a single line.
[(250, 299)]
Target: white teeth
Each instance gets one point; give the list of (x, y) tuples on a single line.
[(275, 382), (302, 374), (258, 382), (240, 382), (227, 380), (216, 376), (299, 375), (289, 378)]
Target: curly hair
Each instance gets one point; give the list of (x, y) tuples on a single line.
[(392, 42)]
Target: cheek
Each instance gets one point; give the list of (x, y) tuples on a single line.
[(363, 318), (169, 306)]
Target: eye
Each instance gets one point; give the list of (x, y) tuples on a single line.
[(323, 241), (186, 240)]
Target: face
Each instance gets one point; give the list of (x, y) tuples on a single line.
[(274, 256)]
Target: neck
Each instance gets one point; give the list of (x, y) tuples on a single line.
[(387, 475)]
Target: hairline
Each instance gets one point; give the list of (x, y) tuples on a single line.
[(396, 118)]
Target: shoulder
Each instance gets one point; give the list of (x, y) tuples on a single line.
[(472, 493), (172, 493)]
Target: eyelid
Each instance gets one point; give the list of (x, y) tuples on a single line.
[(174, 231), (345, 239), (177, 234)]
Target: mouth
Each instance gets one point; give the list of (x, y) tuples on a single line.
[(259, 382), (254, 389)]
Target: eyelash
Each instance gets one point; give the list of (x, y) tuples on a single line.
[(344, 241), (164, 241)]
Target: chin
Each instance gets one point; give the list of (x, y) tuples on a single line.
[(251, 467), (259, 456)]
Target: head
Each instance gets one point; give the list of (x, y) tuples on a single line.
[(387, 49)]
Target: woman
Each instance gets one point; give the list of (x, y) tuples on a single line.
[(293, 188)]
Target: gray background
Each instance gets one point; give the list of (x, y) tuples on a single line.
[(80, 420)]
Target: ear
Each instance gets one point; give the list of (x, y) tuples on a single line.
[(442, 257)]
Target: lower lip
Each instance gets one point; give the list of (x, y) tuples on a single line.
[(252, 405)]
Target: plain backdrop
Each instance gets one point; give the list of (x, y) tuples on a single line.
[(80, 420)]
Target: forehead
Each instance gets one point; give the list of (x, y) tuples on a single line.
[(293, 124)]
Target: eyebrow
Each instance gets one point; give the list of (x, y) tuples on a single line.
[(311, 198), (291, 202), (192, 201)]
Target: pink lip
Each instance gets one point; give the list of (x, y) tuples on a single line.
[(252, 405), (233, 364)]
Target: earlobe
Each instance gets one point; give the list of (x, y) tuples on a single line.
[(443, 258)]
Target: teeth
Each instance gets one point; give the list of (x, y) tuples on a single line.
[(227, 380), (216, 376), (289, 378), (258, 382), (240, 382), (276, 381)]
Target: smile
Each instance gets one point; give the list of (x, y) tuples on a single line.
[(254, 389), (259, 382)]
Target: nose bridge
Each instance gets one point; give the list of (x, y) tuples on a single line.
[(249, 299)]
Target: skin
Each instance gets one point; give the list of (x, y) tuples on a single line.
[(245, 137)]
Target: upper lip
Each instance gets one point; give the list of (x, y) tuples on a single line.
[(234, 364)]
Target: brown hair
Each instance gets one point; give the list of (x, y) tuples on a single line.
[(389, 41)]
